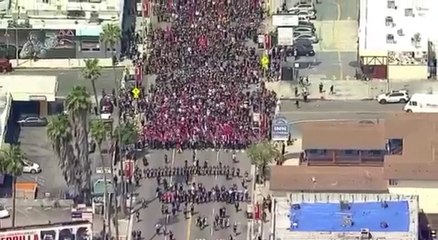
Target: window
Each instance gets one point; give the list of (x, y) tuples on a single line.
[(351, 152), (45, 1), (394, 146), (392, 182), (409, 12), (413, 103), (90, 46), (391, 4), (397, 95), (375, 152), (389, 21), (390, 38)]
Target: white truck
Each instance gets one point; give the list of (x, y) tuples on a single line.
[(422, 103)]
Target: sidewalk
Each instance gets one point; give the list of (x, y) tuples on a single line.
[(63, 63), (350, 89)]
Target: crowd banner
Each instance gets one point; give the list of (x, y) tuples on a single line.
[(280, 129)]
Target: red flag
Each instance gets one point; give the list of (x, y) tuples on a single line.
[(139, 74), (145, 8)]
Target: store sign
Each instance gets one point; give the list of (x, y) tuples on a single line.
[(80, 230), (280, 129)]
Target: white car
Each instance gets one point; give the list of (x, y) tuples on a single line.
[(4, 213), (31, 167), (400, 96), (305, 14), (304, 6)]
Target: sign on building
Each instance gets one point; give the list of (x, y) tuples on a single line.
[(285, 36), (284, 20), (80, 230), (280, 129)]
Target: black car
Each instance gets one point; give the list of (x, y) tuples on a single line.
[(303, 42), (303, 50), (33, 121)]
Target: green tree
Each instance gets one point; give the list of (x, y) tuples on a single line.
[(99, 132), (128, 133), (91, 72), (110, 36), (262, 154), (59, 132), (12, 164), (78, 105)]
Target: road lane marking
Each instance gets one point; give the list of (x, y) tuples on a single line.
[(338, 6), (341, 67), (172, 165), (212, 224), (217, 160), (189, 227)]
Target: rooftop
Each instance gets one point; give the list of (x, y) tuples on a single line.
[(346, 216), (396, 25), (417, 160)]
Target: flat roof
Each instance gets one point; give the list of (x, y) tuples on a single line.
[(28, 87), (327, 178), (408, 17), (319, 207)]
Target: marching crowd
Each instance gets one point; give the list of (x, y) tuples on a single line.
[(208, 92)]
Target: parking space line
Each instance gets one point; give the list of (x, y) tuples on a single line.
[(217, 160)]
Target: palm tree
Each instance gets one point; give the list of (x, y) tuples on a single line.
[(99, 132), (92, 71), (128, 132), (59, 132), (12, 164), (262, 154), (78, 105), (110, 36)]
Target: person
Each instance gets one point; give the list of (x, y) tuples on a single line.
[(297, 103), (235, 228), (157, 228), (137, 216), (234, 156)]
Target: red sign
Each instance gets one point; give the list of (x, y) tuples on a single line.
[(145, 8), (257, 212), (268, 44), (128, 168), (139, 74), (65, 230)]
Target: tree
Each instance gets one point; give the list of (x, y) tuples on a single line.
[(92, 71), (59, 132), (261, 154), (128, 132), (78, 105), (99, 132), (12, 164), (110, 36)]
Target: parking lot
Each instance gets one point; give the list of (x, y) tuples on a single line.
[(37, 215), (36, 146)]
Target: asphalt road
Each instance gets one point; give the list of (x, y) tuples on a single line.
[(181, 227), (67, 78), (322, 110)]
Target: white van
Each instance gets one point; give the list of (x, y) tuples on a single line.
[(422, 103)]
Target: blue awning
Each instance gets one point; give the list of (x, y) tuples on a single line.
[(92, 31)]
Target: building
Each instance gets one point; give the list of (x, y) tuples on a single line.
[(38, 91), (57, 29), (395, 41), (398, 155), (345, 216)]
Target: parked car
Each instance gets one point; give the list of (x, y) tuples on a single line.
[(303, 30), (306, 23), (4, 213), (31, 121), (303, 41), (31, 167), (304, 6), (311, 37), (399, 96), (301, 13), (303, 50)]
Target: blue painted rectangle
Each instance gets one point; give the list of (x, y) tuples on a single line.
[(328, 217), (90, 31)]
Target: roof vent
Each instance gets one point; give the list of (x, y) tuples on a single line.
[(390, 39), (400, 32), (409, 12), (391, 4), (389, 21)]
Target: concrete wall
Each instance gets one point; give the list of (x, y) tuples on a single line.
[(396, 72), (426, 190)]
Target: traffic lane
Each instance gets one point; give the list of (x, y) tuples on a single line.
[(339, 106), (151, 215), (36, 215), (205, 209), (237, 217), (330, 116), (67, 78), (211, 209), (36, 147)]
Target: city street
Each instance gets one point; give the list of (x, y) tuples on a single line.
[(336, 110), (67, 78), (187, 229)]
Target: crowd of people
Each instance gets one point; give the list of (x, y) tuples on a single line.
[(209, 90)]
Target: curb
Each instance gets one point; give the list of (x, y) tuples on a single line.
[(326, 99), (130, 226)]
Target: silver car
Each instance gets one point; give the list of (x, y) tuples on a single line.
[(304, 30), (304, 6), (313, 38)]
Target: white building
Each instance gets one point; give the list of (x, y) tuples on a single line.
[(76, 24), (395, 38)]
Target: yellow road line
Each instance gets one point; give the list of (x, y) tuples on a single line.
[(189, 228)]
